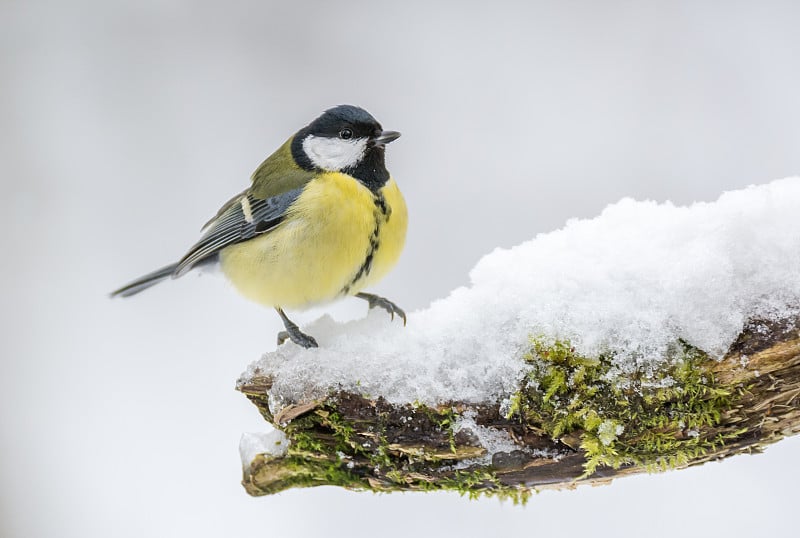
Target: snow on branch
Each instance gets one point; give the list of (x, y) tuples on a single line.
[(650, 337)]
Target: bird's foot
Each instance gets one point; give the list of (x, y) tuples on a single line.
[(294, 333), (299, 338), (383, 302)]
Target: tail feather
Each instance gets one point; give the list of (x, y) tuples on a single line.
[(144, 282)]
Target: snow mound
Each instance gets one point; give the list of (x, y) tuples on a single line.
[(632, 281)]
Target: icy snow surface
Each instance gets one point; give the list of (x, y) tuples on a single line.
[(273, 443), (631, 280)]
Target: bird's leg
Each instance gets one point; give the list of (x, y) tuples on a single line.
[(386, 304), (293, 332)]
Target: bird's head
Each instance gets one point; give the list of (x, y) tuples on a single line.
[(340, 140)]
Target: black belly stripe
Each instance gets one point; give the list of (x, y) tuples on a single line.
[(381, 215)]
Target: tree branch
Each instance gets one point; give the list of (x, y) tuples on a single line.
[(568, 424)]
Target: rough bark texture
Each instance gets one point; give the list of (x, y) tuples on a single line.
[(749, 399)]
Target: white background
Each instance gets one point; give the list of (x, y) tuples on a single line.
[(124, 127)]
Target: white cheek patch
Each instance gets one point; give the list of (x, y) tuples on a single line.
[(334, 154)]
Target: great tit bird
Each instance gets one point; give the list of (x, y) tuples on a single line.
[(322, 219)]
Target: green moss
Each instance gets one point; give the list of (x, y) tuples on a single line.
[(660, 420), (273, 475), (325, 448), (473, 484)]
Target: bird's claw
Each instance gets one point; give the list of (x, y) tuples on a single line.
[(294, 333), (298, 337), (384, 303)]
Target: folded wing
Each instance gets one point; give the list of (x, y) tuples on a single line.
[(242, 218)]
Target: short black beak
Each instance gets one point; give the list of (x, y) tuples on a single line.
[(384, 138)]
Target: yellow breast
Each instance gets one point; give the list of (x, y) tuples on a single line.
[(337, 238)]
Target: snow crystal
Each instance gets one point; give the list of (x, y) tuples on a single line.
[(273, 443), (494, 440), (608, 431), (632, 281)]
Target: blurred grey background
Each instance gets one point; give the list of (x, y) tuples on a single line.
[(123, 127)]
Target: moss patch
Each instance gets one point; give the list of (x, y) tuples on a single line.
[(661, 420), (359, 444)]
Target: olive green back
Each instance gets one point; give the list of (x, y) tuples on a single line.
[(279, 173)]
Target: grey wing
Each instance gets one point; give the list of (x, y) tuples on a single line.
[(242, 218)]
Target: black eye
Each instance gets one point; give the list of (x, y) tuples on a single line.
[(345, 134)]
